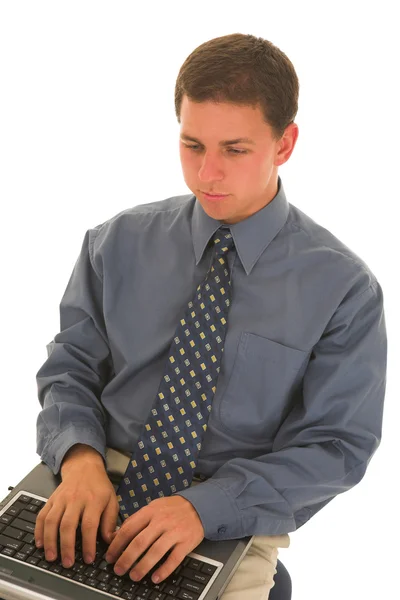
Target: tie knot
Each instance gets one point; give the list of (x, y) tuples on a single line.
[(223, 241)]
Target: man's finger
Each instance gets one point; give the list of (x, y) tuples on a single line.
[(68, 526), (39, 525), (130, 529), (135, 549), (170, 564), (89, 527), (109, 520), (152, 557), (50, 531)]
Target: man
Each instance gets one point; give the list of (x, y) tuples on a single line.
[(300, 361)]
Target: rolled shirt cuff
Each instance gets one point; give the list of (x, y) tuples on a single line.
[(56, 448), (219, 515)]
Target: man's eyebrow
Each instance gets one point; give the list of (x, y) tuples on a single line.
[(242, 140)]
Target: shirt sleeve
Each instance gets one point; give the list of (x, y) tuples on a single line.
[(323, 447), (77, 369)]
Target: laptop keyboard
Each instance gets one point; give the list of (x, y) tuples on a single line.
[(190, 580)]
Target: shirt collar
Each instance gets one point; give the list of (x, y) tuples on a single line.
[(251, 236)]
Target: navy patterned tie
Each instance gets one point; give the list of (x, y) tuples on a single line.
[(165, 455)]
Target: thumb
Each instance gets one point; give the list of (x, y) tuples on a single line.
[(109, 521)]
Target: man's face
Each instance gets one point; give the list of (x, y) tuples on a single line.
[(246, 172)]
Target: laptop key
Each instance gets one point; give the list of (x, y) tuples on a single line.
[(173, 579), (91, 572), (186, 595), (170, 590), (24, 525), (208, 569), (79, 568), (142, 592), (33, 560), (193, 586), (115, 591), (104, 577), (79, 577), (7, 551), (6, 519), (54, 568), (103, 586), (38, 503), (116, 582), (68, 573), (27, 516), (25, 499), (16, 534), (29, 538), (194, 564), (105, 566), (129, 586), (92, 582), (20, 555), (157, 595), (28, 548), (14, 510), (195, 575), (10, 542)]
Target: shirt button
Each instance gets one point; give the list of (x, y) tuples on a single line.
[(222, 529)]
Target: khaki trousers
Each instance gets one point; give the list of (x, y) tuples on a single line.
[(254, 577)]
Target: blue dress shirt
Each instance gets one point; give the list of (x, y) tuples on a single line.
[(297, 414)]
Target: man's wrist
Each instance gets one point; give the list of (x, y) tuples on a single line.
[(82, 454)]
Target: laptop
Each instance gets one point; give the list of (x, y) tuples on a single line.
[(26, 575)]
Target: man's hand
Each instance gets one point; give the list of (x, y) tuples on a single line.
[(85, 493), (165, 523)]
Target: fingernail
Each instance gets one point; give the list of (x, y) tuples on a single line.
[(88, 558), (67, 563), (50, 555), (118, 571), (155, 578), (39, 543)]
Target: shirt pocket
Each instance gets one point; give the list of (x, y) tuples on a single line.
[(262, 387)]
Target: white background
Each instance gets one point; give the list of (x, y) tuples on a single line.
[(87, 129)]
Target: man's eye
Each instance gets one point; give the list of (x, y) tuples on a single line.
[(232, 150)]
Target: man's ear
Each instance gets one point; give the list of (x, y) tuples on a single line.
[(286, 144)]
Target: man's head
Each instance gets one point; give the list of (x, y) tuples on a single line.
[(236, 86)]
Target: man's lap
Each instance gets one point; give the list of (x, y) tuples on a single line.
[(254, 577)]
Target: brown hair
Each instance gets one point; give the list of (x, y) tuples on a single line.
[(244, 70)]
